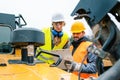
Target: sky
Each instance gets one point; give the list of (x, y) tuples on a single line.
[(38, 13)]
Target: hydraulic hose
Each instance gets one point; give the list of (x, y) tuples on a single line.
[(111, 38), (106, 47)]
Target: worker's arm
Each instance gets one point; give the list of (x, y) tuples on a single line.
[(90, 67)]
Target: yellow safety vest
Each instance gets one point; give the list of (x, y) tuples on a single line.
[(48, 45), (78, 56)]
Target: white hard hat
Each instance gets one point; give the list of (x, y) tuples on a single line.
[(57, 17)]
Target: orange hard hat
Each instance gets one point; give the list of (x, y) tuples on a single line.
[(77, 27)]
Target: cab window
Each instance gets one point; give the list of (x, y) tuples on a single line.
[(5, 46)]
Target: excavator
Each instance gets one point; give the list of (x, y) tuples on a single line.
[(98, 13), (17, 52), (18, 44)]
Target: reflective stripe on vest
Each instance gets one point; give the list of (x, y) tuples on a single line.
[(48, 44), (78, 56)]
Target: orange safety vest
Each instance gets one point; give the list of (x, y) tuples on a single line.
[(78, 56)]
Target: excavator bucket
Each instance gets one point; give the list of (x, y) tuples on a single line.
[(95, 9)]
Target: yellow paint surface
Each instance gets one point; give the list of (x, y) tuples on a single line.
[(40, 71)]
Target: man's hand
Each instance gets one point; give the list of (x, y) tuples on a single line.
[(75, 66), (72, 66)]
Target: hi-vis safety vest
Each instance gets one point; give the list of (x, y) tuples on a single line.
[(78, 56), (48, 45)]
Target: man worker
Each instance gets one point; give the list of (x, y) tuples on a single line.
[(83, 60), (55, 38)]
